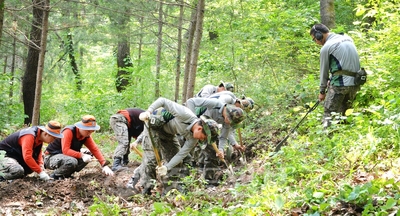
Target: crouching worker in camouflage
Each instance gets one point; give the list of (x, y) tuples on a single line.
[(64, 155), (126, 124), (230, 116), (160, 140), (22, 151)]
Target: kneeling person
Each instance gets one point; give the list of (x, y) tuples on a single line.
[(64, 155), (23, 151)]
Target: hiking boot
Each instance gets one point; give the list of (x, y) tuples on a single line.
[(117, 164), (125, 161), (56, 177)]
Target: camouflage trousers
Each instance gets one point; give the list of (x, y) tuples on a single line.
[(339, 99), (119, 124), (10, 168), (63, 165), (168, 146), (212, 171)]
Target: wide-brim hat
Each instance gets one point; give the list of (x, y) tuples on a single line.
[(53, 128), (88, 122)]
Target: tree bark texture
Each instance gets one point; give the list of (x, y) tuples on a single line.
[(327, 13), (29, 78), (39, 79), (196, 47), (123, 63), (1, 18), (179, 52), (159, 48), (188, 56)]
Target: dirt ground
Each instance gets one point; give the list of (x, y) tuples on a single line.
[(74, 196), (31, 196)]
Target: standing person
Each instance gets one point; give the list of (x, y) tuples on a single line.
[(64, 155), (230, 116), (126, 124), (339, 60), (209, 89), (161, 136), (23, 151)]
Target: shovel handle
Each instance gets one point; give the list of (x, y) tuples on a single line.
[(240, 137), (137, 151), (155, 149), (217, 150)]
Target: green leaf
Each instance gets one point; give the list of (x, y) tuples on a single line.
[(390, 203), (158, 207), (318, 195), (279, 202)]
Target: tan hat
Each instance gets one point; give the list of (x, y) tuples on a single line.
[(53, 128), (88, 122)]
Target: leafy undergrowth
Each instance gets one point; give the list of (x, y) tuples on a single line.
[(351, 168)]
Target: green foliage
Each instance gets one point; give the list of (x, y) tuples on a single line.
[(110, 206), (264, 48)]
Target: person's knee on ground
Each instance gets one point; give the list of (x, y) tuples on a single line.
[(14, 172)]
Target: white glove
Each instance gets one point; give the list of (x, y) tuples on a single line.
[(162, 171), (144, 116), (134, 145), (44, 176), (86, 158), (108, 171)]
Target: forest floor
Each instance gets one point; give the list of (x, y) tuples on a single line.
[(78, 195), (31, 196)]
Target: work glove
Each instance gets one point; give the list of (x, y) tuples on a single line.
[(108, 171), (144, 116), (44, 176), (134, 145), (162, 171), (220, 154), (86, 158)]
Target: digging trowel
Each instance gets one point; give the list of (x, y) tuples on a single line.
[(222, 159)]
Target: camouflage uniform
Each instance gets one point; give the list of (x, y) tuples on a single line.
[(180, 121), (125, 124), (215, 107), (339, 99)]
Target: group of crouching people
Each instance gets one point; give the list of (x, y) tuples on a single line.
[(174, 137)]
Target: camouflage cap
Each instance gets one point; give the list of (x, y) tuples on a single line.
[(236, 115), (247, 104), (229, 87), (210, 128)]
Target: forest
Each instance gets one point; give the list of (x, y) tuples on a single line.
[(65, 59)]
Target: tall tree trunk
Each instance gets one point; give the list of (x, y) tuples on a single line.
[(159, 48), (327, 13), (188, 56), (140, 39), (29, 78), (196, 48), (43, 44), (1, 18), (179, 51), (124, 62), (14, 54), (72, 62)]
